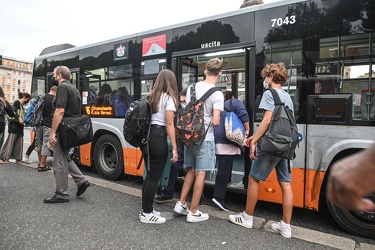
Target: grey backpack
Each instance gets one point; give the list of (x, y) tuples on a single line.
[(281, 138)]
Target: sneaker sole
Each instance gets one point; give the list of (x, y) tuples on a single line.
[(196, 220), (240, 224), (219, 205), (152, 222), (163, 201), (281, 232)]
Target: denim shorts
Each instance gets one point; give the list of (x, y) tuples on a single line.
[(201, 157), (265, 163)]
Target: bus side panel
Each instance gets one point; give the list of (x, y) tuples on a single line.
[(84, 154), (270, 190), (131, 161)]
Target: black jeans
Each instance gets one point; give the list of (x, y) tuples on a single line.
[(224, 169), (158, 153)]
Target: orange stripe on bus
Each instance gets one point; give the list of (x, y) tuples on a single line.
[(84, 154), (271, 192), (131, 161)]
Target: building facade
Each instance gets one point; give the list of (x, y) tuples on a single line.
[(15, 75)]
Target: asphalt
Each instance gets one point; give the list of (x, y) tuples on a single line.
[(106, 217)]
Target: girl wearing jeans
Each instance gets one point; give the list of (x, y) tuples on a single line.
[(163, 100)]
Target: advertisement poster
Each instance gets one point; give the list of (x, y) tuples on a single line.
[(154, 45)]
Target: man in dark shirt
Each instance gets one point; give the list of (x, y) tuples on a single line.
[(42, 131), (66, 103)]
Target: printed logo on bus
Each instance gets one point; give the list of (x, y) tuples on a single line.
[(154, 45), (120, 51)]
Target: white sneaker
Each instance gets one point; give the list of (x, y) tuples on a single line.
[(197, 217), (27, 160), (181, 209), (151, 218), (282, 229), (240, 219), (155, 212)]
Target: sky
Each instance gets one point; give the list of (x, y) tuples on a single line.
[(29, 26)]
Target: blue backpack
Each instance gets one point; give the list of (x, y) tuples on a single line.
[(34, 115)]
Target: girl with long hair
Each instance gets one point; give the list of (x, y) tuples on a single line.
[(163, 100)]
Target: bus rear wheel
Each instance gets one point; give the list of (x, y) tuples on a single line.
[(357, 223), (108, 157)]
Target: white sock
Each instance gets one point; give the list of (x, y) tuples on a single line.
[(246, 216), (283, 224)]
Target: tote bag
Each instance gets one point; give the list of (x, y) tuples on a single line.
[(234, 129)]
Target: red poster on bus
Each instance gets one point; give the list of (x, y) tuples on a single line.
[(154, 45)]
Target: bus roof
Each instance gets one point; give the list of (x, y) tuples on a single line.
[(223, 15)]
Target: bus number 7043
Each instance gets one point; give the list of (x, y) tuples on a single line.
[(286, 21)]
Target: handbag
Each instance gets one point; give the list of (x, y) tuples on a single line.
[(75, 131), (234, 129)]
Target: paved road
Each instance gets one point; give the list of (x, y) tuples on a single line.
[(106, 217)]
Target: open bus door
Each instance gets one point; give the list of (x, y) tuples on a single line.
[(238, 76)]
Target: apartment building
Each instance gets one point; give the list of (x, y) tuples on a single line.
[(15, 75)]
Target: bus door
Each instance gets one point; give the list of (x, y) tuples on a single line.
[(238, 77)]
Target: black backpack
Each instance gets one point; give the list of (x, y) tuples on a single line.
[(190, 125), (281, 138), (137, 125)]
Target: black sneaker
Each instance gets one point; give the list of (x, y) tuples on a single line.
[(162, 199), (220, 204)]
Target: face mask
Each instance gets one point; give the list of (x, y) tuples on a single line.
[(265, 85), (183, 106)]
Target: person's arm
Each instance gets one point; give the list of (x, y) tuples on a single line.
[(169, 124), (216, 118), (351, 179), (57, 117)]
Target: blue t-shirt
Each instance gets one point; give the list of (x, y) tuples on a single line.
[(267, 102)]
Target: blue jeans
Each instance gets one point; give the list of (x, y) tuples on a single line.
[(168, 191), (158, 153)]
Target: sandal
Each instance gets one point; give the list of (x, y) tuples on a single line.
[(42, 169), (47, 167)]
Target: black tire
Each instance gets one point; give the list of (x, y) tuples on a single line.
[(108, 157), (360, 224)]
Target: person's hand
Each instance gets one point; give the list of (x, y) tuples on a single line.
[(52, 138), (20, 121), (253, 153), (248, 141), (174, 155), (350, 180)]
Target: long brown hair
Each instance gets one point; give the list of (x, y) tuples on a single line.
[(165, 83)]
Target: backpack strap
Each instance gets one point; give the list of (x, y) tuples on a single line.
[(231, 109), (208, 93), (276, 97), (145, 149)]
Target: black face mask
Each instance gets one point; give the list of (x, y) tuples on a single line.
[(53, 81)]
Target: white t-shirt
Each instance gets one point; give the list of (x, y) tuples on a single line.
[(267, 102), (214, 101), (166, 103)]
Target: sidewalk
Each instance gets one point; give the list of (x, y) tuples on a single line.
[(106, 217)]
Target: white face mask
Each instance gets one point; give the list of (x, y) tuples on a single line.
[(183, 106), (265, 85)]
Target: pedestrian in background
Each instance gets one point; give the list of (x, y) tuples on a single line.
[(30, 149), (44, 129), (66, 103), (274, 76), (352, 179), (163, 101), (201, 158), (226, 150), (5, 108), (168, 192), (13, 147)]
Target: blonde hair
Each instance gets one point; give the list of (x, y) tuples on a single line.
[(214, 66)]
